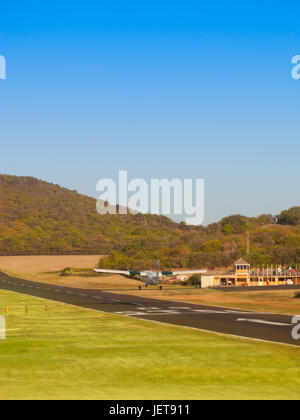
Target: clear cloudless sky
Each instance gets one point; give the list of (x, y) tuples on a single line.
[(161, 88)]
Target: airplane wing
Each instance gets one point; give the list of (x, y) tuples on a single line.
[(184, 272), (133, 273), (105, 271)]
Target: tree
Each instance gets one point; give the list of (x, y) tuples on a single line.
[(194, 280), (290, 217)]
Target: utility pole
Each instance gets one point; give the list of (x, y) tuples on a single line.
[(248, 244), (248, 250)]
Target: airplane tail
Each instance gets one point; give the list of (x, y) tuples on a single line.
[(157, 269)]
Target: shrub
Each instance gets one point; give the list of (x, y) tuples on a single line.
[(194, 280), (68, 271)]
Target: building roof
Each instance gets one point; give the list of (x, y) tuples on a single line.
[(241, 262)]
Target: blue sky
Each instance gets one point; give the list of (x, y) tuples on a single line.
[(162, 89)]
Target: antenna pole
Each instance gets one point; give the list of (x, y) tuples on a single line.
[(248, 249)]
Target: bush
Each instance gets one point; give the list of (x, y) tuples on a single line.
[(194, 280), (68, 271)]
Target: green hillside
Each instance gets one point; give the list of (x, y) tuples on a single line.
[(41, 218)]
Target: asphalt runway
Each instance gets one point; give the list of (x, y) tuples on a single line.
[(258, 325)]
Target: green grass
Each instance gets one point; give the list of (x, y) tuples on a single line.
[(74, 353)]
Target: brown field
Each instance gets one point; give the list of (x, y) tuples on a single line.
[(45, 269), (45, 263)]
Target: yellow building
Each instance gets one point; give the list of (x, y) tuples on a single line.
[(242, 276)]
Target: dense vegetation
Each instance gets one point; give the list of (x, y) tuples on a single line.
[(41, 218)]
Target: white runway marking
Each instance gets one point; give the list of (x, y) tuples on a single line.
[(231, 311), (129, 313), (209, 311), (262, 321), (162, 313), (160, 310), (147, 308), (151, 312), (179, 307)]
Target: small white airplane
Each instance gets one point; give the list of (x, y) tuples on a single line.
[(149, 277)]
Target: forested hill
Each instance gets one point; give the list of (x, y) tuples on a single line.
[(38, 217), (41, 218)]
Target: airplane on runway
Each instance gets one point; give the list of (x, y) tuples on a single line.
[(149, 277)]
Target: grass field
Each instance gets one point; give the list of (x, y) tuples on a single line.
[(73, 353)]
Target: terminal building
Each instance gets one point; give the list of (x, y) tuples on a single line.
[(243, 276)]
